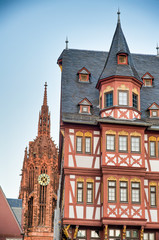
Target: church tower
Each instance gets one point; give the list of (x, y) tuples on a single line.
[(39, 181)]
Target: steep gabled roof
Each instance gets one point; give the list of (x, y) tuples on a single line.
[(147, 75), (9, 225), (111, 67), (154, 106), (85, 101)]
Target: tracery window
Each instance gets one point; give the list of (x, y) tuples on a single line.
[(30, 212), (42, 199), (31, 179)]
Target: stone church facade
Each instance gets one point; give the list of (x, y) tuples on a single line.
[(39, 182)]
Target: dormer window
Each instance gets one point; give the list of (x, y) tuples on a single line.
[(147, 79), (85, 106), (154, 110), (122, 59), (83, 75)]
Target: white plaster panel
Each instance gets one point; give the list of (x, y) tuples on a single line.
[(127, 114), (69, 148), (98, 202), (71, 130), (145, 137), (79, 210), (70, 161), (96, 139), (97, 178), (73, 187), (146, 192), (154, 165), (72, 176), (71, 212), (72, 140), (145, 182), (153, 215), (97, 215), (84, 161), (146, 165), (70, 198), (146, 215), (97, 162), (146, 147), (89, 212), (96, 132), (97, 188)]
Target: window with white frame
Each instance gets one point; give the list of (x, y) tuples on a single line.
[(111, 191), (153, 196), (89, 192), (152, 149), (110, 142), (135, 144), (95, 235), (87, 144), (135, 192), (84, 109), (123, 191), (79, 192), (114, 234), (81, 234), (79, 144), (123, 143), (154, 113), (123, 98), (149, 236)]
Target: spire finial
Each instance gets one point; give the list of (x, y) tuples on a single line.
[(118, 12), (66, 43), (157, 47), (45, 95)]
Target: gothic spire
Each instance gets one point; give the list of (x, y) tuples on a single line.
[(119, 45), (44, 116)]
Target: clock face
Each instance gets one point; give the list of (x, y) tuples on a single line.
[(43, 179)]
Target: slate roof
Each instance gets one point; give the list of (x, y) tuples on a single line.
[(119, 45), (16, 206), (74, 91)]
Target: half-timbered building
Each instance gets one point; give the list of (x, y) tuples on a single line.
[(109, 143)]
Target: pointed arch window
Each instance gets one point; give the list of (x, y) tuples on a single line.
[(42, 199), (30, 212), (31, 178)]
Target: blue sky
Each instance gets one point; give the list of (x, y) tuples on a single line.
[(33, 34)]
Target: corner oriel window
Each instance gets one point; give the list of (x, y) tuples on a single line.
[(110, 142), (109, 99), (123, 143), (135, 100), (135, 192), (123, 98), (79, 144), (152, 149), (111, 191), (135, 144), (79, 192), (153, 196)]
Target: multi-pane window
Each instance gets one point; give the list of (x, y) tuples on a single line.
[(81, 234), (123, 144), (149, 236), (84, 109), (135, 192), (154, 113), (87, 145), (111, 191), (135, 144), (79, 144), (89, 192), (109, 99), (110, 142), (153, 149), (123, 191), (79, 192), (135, 100), (122, 59), (153, 196), (132, 234), (123, 98), (95, 235), (114, 234)]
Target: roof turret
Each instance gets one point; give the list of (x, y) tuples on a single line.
[(119, 45)]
